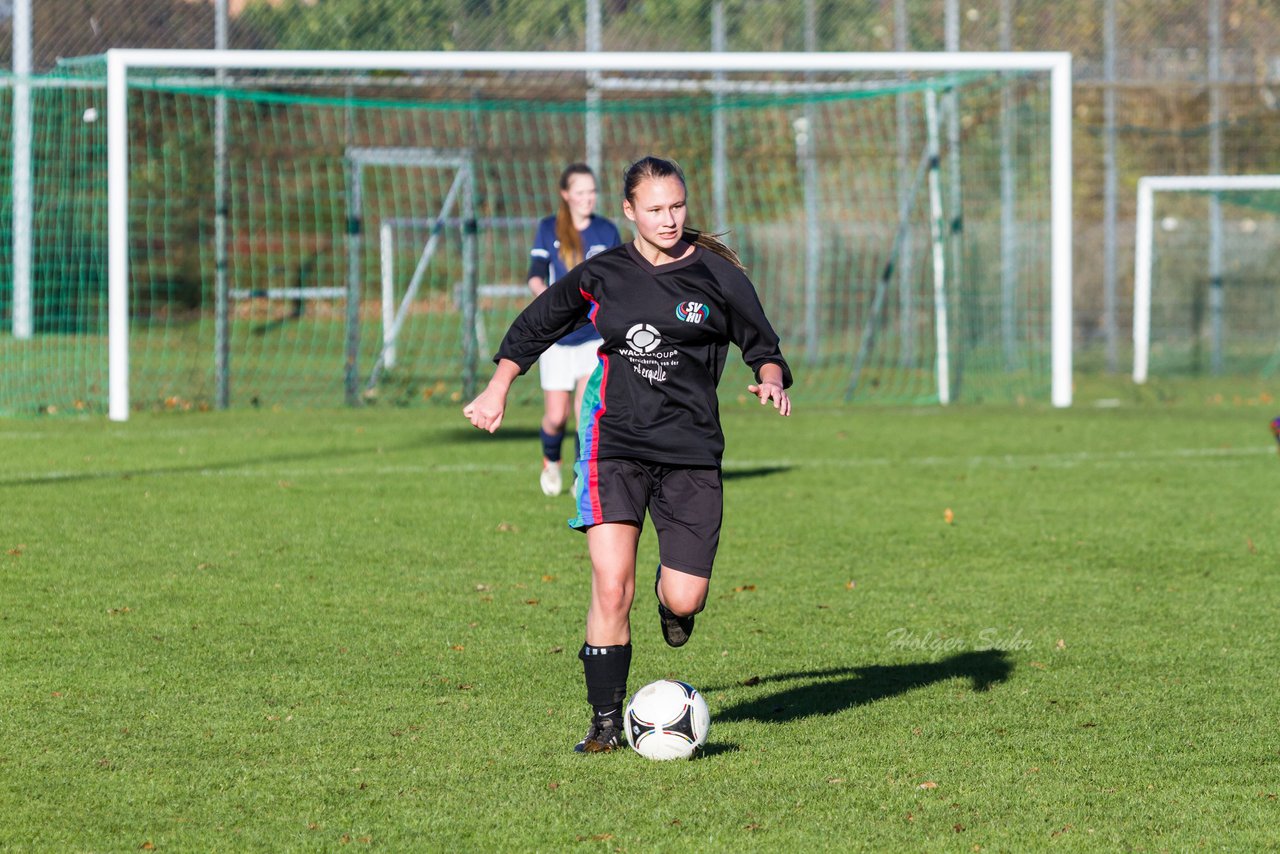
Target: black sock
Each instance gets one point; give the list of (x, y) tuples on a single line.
[(551, 444), (606, 669)]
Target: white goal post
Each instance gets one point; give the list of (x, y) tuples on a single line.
[(1144, 236), (1057, 65)]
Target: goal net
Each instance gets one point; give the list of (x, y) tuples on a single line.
[(282, 230), (1205, 294)]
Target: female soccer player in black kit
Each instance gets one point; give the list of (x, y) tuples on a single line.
[(667, 305)]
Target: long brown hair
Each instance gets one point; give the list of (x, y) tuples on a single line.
[(570, 238), (653, 168)]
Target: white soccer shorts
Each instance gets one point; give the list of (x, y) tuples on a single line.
[(561, 366)]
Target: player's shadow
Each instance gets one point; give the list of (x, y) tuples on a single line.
[(716, 748), (758, 471), (247, 463), (828, 692), (504, 434)]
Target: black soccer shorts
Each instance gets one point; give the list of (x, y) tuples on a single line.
[(686, 505)]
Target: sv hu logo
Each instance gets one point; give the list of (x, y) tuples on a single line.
[(692, 312)]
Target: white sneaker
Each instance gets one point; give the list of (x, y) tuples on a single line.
[(550, 478)]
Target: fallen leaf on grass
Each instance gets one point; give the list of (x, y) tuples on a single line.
[(457, 647), (744, 588), (1038, 665), (531, 601), (927, 784), (850, 584), (948, 516), (1061, 644), (147, 846), (555, 649), (548, 578), (507, 527), (751, 680)]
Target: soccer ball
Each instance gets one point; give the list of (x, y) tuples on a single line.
[(667, 720)]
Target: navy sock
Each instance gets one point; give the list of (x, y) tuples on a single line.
[(551, 444), (606, 669)]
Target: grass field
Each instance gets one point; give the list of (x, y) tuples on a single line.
[(357, 629)]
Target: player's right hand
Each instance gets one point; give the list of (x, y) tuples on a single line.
[(486, 410)]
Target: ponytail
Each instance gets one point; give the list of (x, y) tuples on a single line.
[(713, 243), (571, 252), (568, 237)]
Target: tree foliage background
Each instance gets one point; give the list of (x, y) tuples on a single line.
[(1161, 60), (1156, 40)]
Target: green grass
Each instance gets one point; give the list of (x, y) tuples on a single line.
[(285, 631), (280, 362)]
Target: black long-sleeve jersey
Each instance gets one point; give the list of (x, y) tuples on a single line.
[(666, 332)]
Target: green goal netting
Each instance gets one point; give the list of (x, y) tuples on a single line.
[(305, 238)]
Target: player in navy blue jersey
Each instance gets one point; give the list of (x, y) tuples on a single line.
[(563, 241), (667, 306)]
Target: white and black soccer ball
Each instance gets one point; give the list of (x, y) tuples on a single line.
[(667, 720)]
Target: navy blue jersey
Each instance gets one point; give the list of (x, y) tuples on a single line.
[(545, 261), (666, 331)]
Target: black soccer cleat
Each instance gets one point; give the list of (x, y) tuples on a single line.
[(675, 629), (605, 734)]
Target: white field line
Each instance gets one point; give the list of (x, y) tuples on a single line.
[(1061, 461)]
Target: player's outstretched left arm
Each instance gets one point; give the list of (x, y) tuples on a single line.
[(770, 389), (490, 405)]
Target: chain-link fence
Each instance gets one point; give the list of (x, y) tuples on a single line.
[(1168, 87)]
